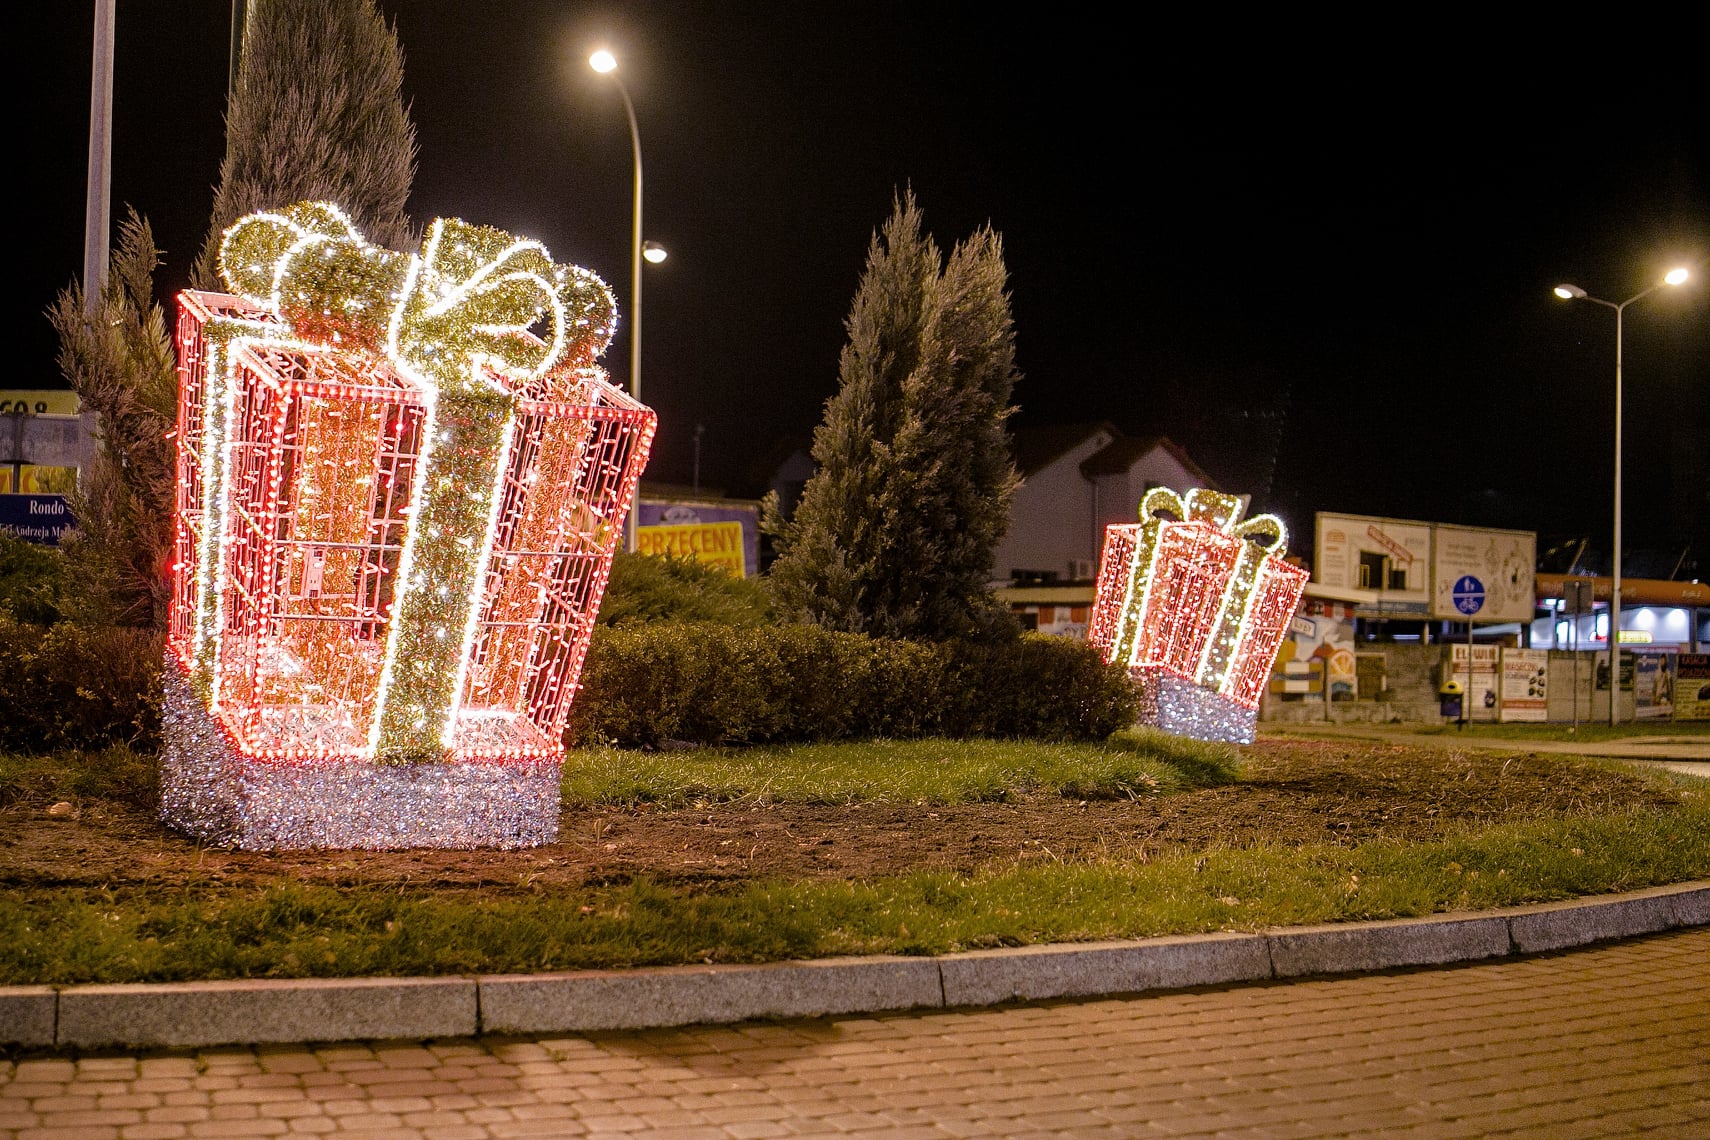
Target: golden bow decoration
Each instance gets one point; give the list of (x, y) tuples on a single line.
[(461, 309), (1216, 509)]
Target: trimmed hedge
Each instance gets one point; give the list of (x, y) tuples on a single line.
[(69, 686), (715, 684)]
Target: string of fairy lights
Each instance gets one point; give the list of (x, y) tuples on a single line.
[(1195, 602)]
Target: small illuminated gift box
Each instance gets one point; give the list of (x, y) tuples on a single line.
[(1195, 603), (401, 481)]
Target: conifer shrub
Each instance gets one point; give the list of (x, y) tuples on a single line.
[(652, 587), (670, 683), (73, 686)]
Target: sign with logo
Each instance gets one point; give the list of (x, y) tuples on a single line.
[(37, 402), (36, 518), (725, 534)]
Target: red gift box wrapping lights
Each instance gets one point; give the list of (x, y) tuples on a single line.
[(1195, 604), (397, 507)]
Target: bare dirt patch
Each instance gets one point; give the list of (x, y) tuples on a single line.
[(1293, 792)]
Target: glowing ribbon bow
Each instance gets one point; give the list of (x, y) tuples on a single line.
[(1220, 512), (455, 321)]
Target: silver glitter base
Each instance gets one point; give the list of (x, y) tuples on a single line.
[(1185, 709), (211, 792)]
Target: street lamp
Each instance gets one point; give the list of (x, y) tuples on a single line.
[(1575, 293), (605, 63)]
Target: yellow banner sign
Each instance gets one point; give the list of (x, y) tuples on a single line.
[(719, 543)]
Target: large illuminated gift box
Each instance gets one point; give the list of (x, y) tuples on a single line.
[(1195, 603), (401, 481)]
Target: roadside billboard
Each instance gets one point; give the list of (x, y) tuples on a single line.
[(1389, 556), (1501, 561)]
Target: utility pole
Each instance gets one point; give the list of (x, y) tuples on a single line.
[(97, 213)]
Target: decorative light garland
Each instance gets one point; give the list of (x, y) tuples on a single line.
[(397, 504), (1195, 604)]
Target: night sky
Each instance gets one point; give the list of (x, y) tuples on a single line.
[(1326, 273)]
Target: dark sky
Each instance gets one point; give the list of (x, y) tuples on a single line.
[(1325, 272)]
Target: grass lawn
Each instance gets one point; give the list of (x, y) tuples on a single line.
[(1143, 835)]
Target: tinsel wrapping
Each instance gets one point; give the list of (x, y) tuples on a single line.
[(213, 792)]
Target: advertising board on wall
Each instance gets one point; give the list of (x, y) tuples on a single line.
[(1653, 685), (1525, 684), (1481, 694), (1390, 556), (1318, 650), (1692, 686)]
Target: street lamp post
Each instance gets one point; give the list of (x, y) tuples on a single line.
[(605, 63), (1575, 293)]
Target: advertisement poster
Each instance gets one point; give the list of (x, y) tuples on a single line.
[(1653, 685), (1525, 681), (725, 534), (1627, 670), (1692, 686), (1501, 561), (1481, 694), (1319, 647), (1389, 556)]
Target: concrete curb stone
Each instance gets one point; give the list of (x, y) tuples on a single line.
[(1692, 905), (1556, 926), (202, 1014), (1075, 969), (687, 995), (27, 1015), (1344, 947), (268, 1011)]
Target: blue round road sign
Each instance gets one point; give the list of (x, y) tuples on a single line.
[(1468, 594)]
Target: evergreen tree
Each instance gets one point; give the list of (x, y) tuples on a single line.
[(895, 531), (317, 114), (120, 362)]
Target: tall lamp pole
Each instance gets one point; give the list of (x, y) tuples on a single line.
[(1575, 293), (605, 63)]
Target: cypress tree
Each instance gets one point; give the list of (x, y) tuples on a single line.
[(120, 362), (895, 531), (317, 113)]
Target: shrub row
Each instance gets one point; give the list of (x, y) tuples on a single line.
[(646, 685), (70, 686)]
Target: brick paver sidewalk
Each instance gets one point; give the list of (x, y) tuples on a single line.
[(1597, 1042)]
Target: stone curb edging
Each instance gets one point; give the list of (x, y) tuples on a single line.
[(202, 1014)]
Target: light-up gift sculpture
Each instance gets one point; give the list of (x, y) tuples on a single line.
[(1195, 604), (396, 512)]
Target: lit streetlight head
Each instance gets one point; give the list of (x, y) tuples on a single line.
[(1569, 292), (603, 61), (1676, 276), (653, 252)]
